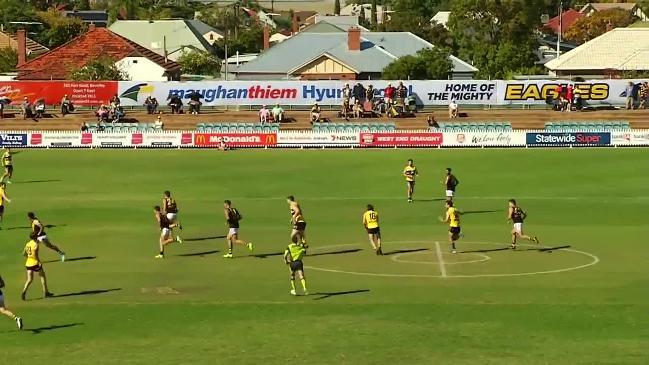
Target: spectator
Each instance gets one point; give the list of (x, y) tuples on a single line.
[(630, 100), (577, 100), (278, 113), (453, 110), (430, 120), (569, 97), (264, 114), (84, 127), (151, 104), (315, 113), (158, 123), (223, 146), (114, 101), (347, 94), (2, 108), (359, 93), (358, 109), (370, 93), (102, 113), (388, 94), (118, 114), (101, 126), (26, 109), (401, 94), (195, 102), (39, 108), (66, 105), (176, 104), (644, 95)]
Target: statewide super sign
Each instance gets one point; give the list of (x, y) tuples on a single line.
[(585, 138)]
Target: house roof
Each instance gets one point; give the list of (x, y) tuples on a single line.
[(322, 27), (177, 34), (378, 49), (568, 18), (608, 6), (203, 28), (89, 16), (343, 22), (11, 41), (302, 16), (441, 17), (619, 49), (58, 63)]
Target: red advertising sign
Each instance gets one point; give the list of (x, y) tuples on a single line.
[(235, 139), (422, 139), (86, 138), (79, 92)]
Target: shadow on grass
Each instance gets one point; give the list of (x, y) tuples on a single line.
[(265, 255), (428, 200), (323, 295), (341, 252), (72, 259), (204, 253), (29, 227), (488, 250), (87, 292), (37, 181), (405, 251), (39, 330), (480, 211), (547, 249), (198, 239)]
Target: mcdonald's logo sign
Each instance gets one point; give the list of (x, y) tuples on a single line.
[(200, 139), (235, 139), (271, 139)]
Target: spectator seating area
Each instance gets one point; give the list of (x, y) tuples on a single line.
[(354, 127), (475, 127), (586, 125), (123, 127), (237, 127)]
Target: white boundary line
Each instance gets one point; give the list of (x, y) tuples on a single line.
[(440, 259), (595, 261), (398, 258)]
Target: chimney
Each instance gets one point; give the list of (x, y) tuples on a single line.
[(294, 25), (266, 37), (91, 27), (22, 47), (354, 39)]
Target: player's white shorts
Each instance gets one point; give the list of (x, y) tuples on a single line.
[(449, 193), (42, 238), (165, 232), (233, 231), (518, 227), (172, 216)]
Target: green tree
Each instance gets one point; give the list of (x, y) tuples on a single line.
[(60, 29), (8, 59), (12, 11), (427, 64), (373, 18), (249, 41), (82, 5), (102, 68), (337, 7), (199, 63), (597, 24)]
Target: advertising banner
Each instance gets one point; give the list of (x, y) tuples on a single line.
[(13, 139), (108, 139), (163, 139), (317, 139), (484, 139), (568, 138), (235, 139), (632, 138), (55, 139), (79, 92), (406, 139)]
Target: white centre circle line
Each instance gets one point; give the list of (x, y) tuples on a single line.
[(397, 258)]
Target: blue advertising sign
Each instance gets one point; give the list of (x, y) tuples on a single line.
[(13, 139), (569, 138)]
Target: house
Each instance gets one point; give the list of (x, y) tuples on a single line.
[(97, 17), (365, 12), (612, 53), (210, 34), (559, 24), (279, 37), (302, 16), (632, 8), (261, 16), (139, 63), (343, 22), (339, 55), (441, 18), (33, 48), (169, 38)]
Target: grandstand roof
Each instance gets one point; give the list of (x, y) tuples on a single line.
[(620, 49)]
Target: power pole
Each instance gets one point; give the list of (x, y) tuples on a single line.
[(560, 28)]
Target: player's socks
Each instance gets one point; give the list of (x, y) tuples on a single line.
[(22, 295), (293, 285), (19, 322), (62, 254), (535, 239), (179, 240), (303, 282), (48, 295), (250, 246), (13, 316)]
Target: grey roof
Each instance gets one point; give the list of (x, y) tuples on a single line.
[(178, 35), (378, 49), (343, 22), (202, 28)]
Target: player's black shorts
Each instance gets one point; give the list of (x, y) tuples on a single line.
[(2, 208), (35, 268), (300, 226), (296, 266), (454, 230), (411, 184), (376, 230), (10, 168)]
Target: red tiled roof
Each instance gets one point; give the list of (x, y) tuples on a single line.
[(568, 18), (58, 63)]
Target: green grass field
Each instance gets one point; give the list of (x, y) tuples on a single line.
[(584, 301)]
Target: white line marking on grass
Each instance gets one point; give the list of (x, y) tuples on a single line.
[(398, 258), (440, 259)]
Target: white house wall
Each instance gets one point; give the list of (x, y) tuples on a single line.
[(141, 69)]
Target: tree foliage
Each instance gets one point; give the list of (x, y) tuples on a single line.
[(427, 64), (199, 63), (597, 24), (8, 59), (102, 68), (12, 11), (59, 28), (248, 41)]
